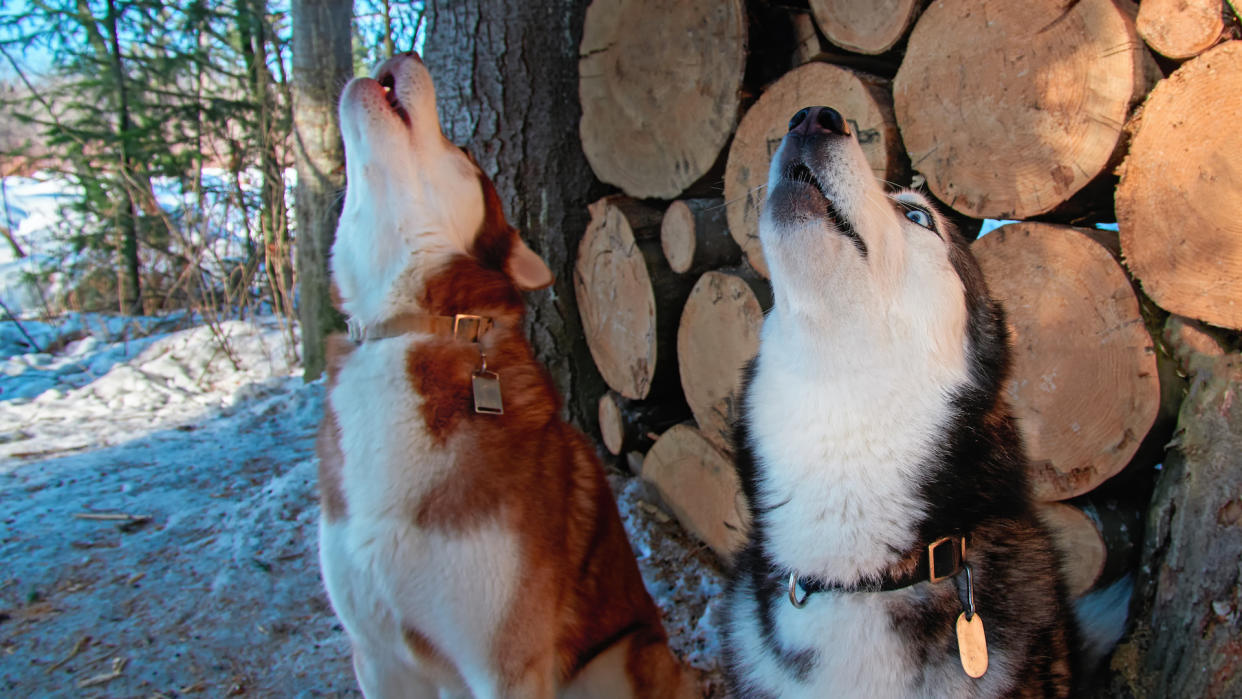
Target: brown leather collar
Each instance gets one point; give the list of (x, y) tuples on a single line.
[(462, 327)]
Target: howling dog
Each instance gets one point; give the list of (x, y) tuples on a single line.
[(469, 541), (894, 550)]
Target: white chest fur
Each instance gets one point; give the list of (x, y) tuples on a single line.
[(384, 574), (839, 432)]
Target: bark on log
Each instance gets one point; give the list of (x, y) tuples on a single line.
[(1010, 108), (695, 236), (627, 425), (699, 484), (1188, 600), (1082, 547), (862, 99), (1084, 383), (1180, 28), (1180, 188), (660, 87), (718, 334), (865, 26), (629, 298)]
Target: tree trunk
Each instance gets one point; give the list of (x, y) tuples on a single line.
[(1188, 600), (1178, 191), (1010, 108), (1084, 384), (273, 217), (129, 272), (862, 99), (321, 67), (506, 73)]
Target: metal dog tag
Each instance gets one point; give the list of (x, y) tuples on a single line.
[(486, 386), (972, 645)]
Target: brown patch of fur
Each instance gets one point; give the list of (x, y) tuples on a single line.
[(580, 585), (328, 441)]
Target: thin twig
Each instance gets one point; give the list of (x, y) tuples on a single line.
[(19, 325), (77, 648), (118, 666), (111, 517)]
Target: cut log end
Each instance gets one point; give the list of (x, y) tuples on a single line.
[(1179, 193), (865, 27), (1083, 552), (699, 484), (695, 236), (718, 335), (1180, 28), (640, 62), (1009, 109), (1084, 383), (619, 276)]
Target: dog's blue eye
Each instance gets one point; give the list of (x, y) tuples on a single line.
[(920, 217)]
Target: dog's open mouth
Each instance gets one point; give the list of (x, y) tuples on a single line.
[(389, 83), (799, 172)]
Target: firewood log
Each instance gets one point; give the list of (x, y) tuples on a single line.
[(865, 26), (629, 425), (699, 485), (863, 100), (1082, 547), (1009, 108), (628, 298), (659, 85), (695, 236), (1181, 186), (1180, 28), (717, 336), (1084, 383)]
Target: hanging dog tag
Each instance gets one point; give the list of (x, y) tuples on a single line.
[(486, 386), (972, 645)]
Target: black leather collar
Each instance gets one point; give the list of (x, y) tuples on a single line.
[(943, 558)]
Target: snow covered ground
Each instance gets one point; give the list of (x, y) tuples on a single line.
[(158, 519)]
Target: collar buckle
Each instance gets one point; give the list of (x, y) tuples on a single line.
[(469, 327), (945, 557), (357, 330)]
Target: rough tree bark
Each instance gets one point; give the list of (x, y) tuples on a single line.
[(1188, 606), (506, 75), (321, 66)]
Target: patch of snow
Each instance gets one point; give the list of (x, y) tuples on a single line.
[(215, 589)]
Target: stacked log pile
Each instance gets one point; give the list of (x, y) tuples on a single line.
[(1060, 115)]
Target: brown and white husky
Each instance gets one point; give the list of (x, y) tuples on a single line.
[(884, 468), (469, 541)]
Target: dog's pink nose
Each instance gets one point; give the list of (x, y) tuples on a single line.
[(810, 120)]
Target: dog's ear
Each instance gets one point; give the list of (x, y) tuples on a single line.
[(527, 269), (499, 244)]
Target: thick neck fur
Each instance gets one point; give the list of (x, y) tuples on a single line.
[(838, 472)]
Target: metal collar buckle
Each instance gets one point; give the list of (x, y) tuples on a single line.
[(469, 327), (357, 330), (944, 557)]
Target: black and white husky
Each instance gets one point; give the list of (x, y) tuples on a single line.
[(884, 469)]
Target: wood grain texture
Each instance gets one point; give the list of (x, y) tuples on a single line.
[(865, 26), (1008, 108), (1181, 186), (1180, 28), (659, 86), (1084, 384)]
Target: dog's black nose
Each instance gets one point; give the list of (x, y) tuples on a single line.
[(808, 120)]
